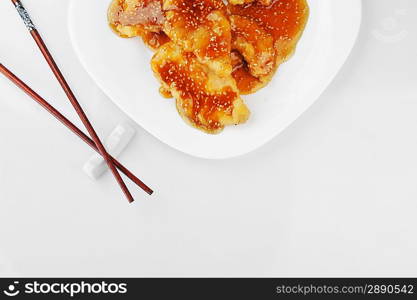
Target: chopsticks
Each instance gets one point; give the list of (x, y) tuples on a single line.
[(70, 95), (18, 82)]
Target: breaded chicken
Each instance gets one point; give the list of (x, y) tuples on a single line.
[(204, 99), (255, 45), (245, 81), (208, 52), (265, 36), (144, 18), (285, 20), (201, 27)]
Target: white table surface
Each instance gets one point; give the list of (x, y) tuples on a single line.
[(334, 195)]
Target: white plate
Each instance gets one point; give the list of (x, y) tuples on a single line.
[(121, 68)]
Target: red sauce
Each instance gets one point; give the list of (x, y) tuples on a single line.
[(245, 81), (200, 103), (155, 39), (190, 15), (193, 13), (216, 46), (283, 19)]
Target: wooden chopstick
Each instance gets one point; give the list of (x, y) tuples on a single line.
[(54, 67), (23, 86)]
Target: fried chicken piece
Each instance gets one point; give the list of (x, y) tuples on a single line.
[(144, 18), (245, 81), (253, 55), (285, 20), (204, 99), (255, 45), (265, 36), (154, 40), (201, 27)]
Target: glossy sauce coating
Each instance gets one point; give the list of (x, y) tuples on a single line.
[(216, 46), (282, 18), (212, 51), (245, 81), (255, 45), (201, 103), (201, 23), (193, 13), (155, 39)]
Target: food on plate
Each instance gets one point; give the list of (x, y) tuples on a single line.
[(256, 47), (209, 52), (285, 20), (205, 99), (266, 34), (201, 27), (245, 81), (143, 18)]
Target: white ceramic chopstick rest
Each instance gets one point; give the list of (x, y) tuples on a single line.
[(117, 141)]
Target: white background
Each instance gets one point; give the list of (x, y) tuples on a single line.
[(334, 195)]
